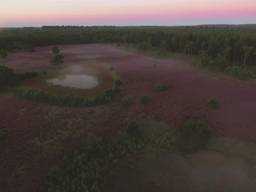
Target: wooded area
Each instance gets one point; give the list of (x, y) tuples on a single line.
[(219, 46)]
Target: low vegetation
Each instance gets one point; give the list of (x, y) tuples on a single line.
[(145, 100), (241, 72), (160, 88), (7, 77), (45, 97), (3, 53), (88, 169), (127, 101), (57, 57), (193, 136), (213, 104)]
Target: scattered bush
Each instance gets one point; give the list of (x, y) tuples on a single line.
[(160, 88), (145, 100), (213, 104)]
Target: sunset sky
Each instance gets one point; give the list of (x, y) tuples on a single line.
[(125, 12)]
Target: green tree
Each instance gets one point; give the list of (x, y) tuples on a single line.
[(247, 51)]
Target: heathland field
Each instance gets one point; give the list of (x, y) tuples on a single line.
[(128, 109)]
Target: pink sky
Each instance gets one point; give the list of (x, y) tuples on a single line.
[(126, 12)]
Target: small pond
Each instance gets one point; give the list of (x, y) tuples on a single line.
[(79, 81)]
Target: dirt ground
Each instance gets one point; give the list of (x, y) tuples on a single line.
[(36, 135)]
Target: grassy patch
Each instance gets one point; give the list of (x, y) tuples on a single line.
[(160, 88), (213, 104), (45, 97)]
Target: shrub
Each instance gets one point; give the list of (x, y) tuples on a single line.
[(111, 68), (127, 101), (213, 104), (160, 88), (3, 134), (55, 51), (3, 53), (57, 59), (239, 71), (134, 129), (7, 77), (42, 96), (117, 85), (193, 136), (145, 100)]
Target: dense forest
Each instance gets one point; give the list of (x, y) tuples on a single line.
[(217, 46)]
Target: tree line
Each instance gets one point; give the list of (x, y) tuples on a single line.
[(219, 46)]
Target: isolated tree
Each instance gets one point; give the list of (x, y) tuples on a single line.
[(247, 51)]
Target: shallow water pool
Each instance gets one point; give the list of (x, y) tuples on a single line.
[(79, 81)]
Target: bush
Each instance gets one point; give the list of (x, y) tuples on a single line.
[(193, 136), (213, 104), (127, 101), (57, 59), (160, 88), (55, 51), (3, 53), (7, 77), (145, 100), (239, 71), (134, 129), (117, 85)]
